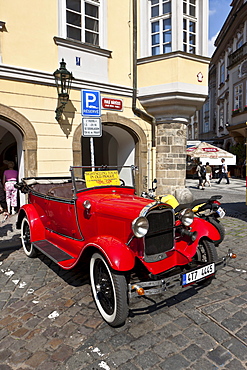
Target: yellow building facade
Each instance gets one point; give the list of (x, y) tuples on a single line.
[(97, 40)]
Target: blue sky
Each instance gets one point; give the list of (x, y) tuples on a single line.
[(218, 12)]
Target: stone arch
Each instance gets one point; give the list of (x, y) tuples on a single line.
[(29, 137), (136, 132)]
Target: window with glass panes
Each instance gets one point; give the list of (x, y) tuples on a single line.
[(82, 21), (222, 73), (238, 97), (240, 42), (189, 26), (221, 117), (161, 28)]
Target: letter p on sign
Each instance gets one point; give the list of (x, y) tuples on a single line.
[(90, 103)]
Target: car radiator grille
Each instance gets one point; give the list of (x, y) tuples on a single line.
[(160, 236)]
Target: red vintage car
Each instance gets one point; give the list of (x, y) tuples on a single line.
[(135, 246)]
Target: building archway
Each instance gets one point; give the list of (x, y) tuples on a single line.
[(123, 143), (20, 142)]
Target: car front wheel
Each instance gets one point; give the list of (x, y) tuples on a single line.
[(109, 291), (29, 249), (206, 252)]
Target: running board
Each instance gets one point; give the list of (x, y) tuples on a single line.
[(52, 251)]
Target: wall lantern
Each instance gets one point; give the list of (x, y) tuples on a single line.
[(63, 80)]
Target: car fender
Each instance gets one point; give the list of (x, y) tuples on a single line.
[(205, 229), (36, 226), (119, 256)]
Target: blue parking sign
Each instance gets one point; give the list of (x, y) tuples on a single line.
[(90, 103)]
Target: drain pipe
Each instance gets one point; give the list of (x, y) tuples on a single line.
[(138, 112)]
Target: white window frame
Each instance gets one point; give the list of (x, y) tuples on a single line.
[(222, 73), (189, 47), (221, 116), (188, 34), (240, 41), (189, 4), (101, 4), (238, 97), (161, 31)]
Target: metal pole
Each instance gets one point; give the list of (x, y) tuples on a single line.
[(92, 153), (139, 112)]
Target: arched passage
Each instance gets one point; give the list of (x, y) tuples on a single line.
[(123, 143), (21, 141)]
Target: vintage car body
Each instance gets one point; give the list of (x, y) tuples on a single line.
[(122, 234)]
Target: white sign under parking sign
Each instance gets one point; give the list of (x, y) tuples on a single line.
[(91, 127)]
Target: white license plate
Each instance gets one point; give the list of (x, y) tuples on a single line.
[(221, 212), (198, 274)]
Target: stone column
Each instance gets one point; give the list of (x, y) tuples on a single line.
[(171, 160)]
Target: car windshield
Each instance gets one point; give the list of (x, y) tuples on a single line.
[(90, 177)]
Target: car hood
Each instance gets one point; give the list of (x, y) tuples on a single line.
[(118, 205)]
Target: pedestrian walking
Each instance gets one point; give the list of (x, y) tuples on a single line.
[(208, 170), (201, 175), (224, 172), (9, 181)]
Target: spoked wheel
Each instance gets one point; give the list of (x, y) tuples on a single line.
[(109, 291), (29, 249), (206, 252)]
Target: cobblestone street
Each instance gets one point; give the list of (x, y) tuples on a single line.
[(49, 320)]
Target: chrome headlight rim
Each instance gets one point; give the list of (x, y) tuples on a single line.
[(186, 216), (140, 226)]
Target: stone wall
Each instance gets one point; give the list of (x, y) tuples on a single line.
[(171, 157)]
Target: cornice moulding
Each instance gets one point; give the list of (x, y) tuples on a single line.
[(26, 75)]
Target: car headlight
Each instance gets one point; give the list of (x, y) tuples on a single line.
[(140, 226), (186, 216)]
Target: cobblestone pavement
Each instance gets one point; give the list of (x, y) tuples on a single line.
[(48, 319)]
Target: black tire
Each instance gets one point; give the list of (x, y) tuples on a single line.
[(28, 247), (109, 291), (218, 225), (206, 252)]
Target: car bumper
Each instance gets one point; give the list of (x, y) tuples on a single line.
[(146, 288)]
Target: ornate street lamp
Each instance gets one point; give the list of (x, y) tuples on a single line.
[(63, 80)]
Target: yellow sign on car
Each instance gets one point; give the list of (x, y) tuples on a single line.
[(101, 178)]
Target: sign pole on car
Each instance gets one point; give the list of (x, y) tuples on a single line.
[(91, 121), (92, 153)]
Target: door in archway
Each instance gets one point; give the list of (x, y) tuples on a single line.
[(116, 147), (8, 149), (11, 149)]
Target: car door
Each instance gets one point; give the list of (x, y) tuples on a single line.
[(62, 218)]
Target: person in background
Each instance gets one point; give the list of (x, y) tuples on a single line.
[(2, 198), (9, 181), (224, 172), (208, 175), (200, 173)]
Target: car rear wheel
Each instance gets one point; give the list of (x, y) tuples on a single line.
[(109, 291), (29, 249)]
